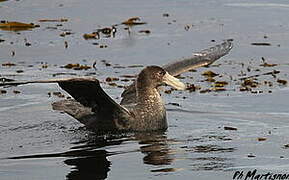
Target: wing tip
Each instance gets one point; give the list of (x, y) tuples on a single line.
[(76, 79)]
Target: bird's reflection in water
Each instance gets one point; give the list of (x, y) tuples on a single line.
[(155, 146), (90, 161), (94, 166), (88, 158)]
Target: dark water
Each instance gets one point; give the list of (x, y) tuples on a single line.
[(39, 143)]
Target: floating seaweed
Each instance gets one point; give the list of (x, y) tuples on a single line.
[(53, 20), (209, 74), (105, 63), (220, 83), (273, 73), (135, 66), (261, 138), (188, 26), (169, 91), (108, 31), (251, 155), (63, 34), (112, 84), (230, 128), (103, 46), (133, 21), (250, 83), (268, 65), (6, 80), (8, 64), (109, 79), (76, 67), (16, 92), (119, 67), (166, 15), (16, 26), (93, 35), (2, 91), (282, 81), (174, 104), (210, 79), (145, 31), (218, 89), (205, 91), (19, 71), (59, 74), (65, 44), (44, 66), (260, 44), (192, 87), (125, 80)]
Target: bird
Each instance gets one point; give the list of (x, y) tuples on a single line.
[(104, 114), (141, 107)]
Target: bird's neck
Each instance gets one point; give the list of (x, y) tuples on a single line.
[(146, 91), (148, 95)]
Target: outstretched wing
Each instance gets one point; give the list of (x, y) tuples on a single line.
[(92, 106), (199, 59), (107, 114), (86, 91)]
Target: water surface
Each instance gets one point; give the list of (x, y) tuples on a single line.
[(39, 143)]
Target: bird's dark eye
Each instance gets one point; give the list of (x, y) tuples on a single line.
[(162, 73)]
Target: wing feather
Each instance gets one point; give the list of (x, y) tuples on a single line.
[(199, 59)]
